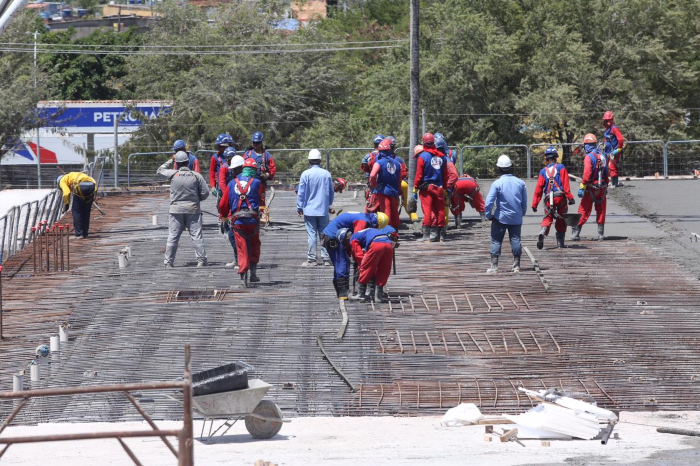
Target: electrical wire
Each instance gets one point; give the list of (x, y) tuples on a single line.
[(222, 46)]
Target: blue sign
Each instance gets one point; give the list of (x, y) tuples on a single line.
[(93, 116)]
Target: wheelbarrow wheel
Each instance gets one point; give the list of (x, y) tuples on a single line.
[(261, 429)]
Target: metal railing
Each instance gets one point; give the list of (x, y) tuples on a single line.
[(679, 165), (485, 167)]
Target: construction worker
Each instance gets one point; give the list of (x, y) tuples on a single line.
[(466, 190), (385, 181), (553, 185), (431, 180), (226, 175), (506, 204), (339, 185), (593, 188), (242, 204), (334, 239), (83, 188), (192, 162), (266, 164), (217, 160), (452, 176), (315, 194), (373, 250), (614, 142), (187, 190), (449, 153), (366, 166)]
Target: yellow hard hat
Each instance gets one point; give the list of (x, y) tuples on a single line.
[(382, 220)]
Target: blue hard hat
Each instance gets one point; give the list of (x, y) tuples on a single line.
[(551, 151), (179, 145), (438, 136), (229, 152), (377, 139), (392, 139), (342, 234), (228, 139), (222, 139), (441, 144), (257, 137)]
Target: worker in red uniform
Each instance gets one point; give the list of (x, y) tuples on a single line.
[(242, 204), (466, 190), (553, 185), (594, 186), (266, 164), (385, 181), (432, 178), (217, 160), (373, 250), (366, 166), (613, 147)]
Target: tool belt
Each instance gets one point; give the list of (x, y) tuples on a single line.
[(329, 242), (594, 187), (245, 213)]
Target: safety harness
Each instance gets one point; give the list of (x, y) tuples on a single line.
[(263, 164), (600, 165), (243, 197)]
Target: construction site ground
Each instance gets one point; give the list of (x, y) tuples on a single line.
[(616, 320)]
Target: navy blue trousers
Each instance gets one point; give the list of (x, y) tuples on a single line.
[(82, 208)]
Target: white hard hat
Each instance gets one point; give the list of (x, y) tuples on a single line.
[(236, 161), (181, 157), (504, 162), (314, 154)]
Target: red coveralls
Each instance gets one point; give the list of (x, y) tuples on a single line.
[(217, 160), (613, 140), (466, 187), (596, 192), (387, 196), (375, 263), (431, 170), (553, 178), (243, 193)]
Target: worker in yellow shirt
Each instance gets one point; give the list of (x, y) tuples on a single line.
[(83, 189)]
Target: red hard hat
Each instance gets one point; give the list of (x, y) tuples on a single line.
[(608, 115), (428, 139), (250, 163), (342, 184), (385, 144), (590, 139)]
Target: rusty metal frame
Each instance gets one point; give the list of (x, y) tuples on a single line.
[(185, 452)]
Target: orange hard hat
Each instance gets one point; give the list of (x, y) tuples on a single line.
[(590, 139), (385, 144), (250, 163), (417, 150)]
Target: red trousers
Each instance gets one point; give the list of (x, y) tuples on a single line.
[(561, 206), (262, 194), (376, 264), (592, 197), (432, 201), (390, 206), (248, 245), (614, 165), (457, 204), (372, 206)]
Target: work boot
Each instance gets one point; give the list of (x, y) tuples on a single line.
[(371, 290), (483, 216), (434, 234), (202, 263), (244, 278), (343, 288), (614, 181), (540, 238), (335, 286), (601, 231), (254, 273), (494, 265), (560, 239), (308, 264), (516, 264), (362, 290), (575, 232), (442, 233), (426, 234), (379, 297), (232, 265), (168, 265)]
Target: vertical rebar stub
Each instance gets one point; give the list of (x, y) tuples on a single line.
[(63, 333), (55, 348), (34, 371), (18, 382), (155, 220), (123, 261)]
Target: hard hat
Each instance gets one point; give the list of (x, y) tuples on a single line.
[(314, 154), (181, 157), (342, 234), (417, 150), (382, 220), (257, 137), (385, 144), (58, 180), (551, 152), (229, 152), (608, 115), (222, 140), (441, 144), (439, 136), (428, 140), (342, 184), (237, 161), (590, 139), (179, 145), (504, 162), (392, 139), (251, 163), (377, 139)]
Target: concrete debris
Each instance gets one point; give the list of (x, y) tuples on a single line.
[(463, 415), (560, 420)]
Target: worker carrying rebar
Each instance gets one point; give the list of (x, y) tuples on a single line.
[(506, 204), (553, 187), (83, 188), (227, 172), (187, 190), (614, 142), (366, 166), (334, 239), (373, 250), (466, 190), (240, 205), (431, 181), (594, 187), (385, 181), (263, 158), (192, 162), (217, 160)]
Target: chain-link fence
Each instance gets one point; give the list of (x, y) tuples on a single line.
[(480, 160), (682, 157)]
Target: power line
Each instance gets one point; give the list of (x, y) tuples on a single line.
[(196, 47)]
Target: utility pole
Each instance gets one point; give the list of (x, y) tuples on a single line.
[(415, 88), (38, 141), (424, 122), (116, 152)]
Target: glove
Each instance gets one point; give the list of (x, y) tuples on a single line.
[(264, 176), (571, 201), (580, 193), (534, 209), (616, 151), (215, 192), (415, 197)]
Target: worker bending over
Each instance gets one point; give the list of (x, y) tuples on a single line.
[(466, 190), (594, 187), (83, 188), (373, 250), (553, 186)]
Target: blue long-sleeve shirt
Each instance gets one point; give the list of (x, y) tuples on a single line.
[(507, 200), (315, 192)]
